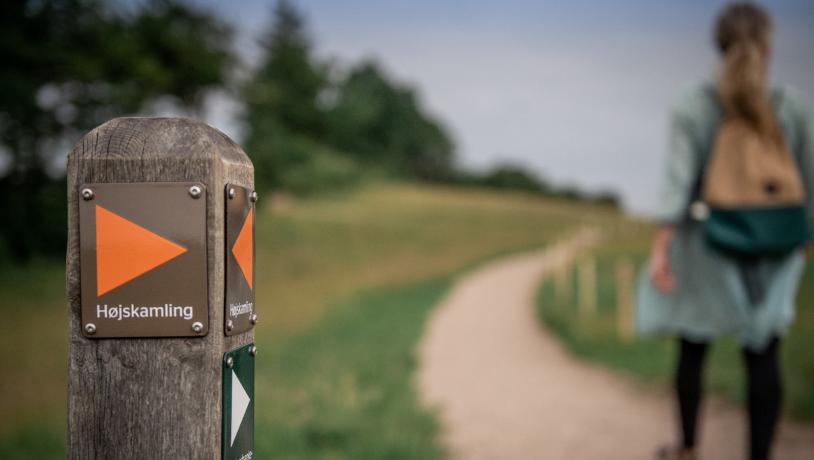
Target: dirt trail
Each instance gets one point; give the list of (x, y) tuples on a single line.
[(506, 389)]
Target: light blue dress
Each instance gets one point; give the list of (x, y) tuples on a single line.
[(710, 298)]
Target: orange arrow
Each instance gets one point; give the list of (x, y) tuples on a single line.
[(125, 250), (243, 249)]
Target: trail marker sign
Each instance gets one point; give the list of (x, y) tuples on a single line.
[(240, 314), (143, 259), (146, 228), (237, 437)]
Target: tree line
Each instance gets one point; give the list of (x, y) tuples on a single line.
[(310, 126)]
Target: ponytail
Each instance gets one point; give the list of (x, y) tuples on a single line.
[(743, 34)]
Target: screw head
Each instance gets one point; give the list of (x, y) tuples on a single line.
[(90, 328), (197, 327), (253, 318), (253, 197), (253, 350), (87, 194), (230, 362), (231, 192), (195, 191), (230, 325)]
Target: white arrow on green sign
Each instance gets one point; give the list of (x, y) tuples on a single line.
[(237, 419)]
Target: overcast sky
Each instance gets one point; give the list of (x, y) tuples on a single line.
[(578, 91)]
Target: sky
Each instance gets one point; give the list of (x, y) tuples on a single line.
[(577, 91)]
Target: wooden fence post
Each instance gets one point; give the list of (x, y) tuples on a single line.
[(587, 287), (624, 272), (139, 395)]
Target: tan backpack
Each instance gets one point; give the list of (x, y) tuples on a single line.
[(754, 194)]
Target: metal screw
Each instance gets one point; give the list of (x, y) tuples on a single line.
[(231, 193), (253, 350), (230, 325), (195, 191), (253, 318), (90, 328), (230, 362), (197, 327), (87, 194), (253, 197)]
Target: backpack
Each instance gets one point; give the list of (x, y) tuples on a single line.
[(754, 196)]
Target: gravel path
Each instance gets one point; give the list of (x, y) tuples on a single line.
[(504, 388)]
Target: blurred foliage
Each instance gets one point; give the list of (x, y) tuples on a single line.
[(381, 122), (301, 164), (310, 130), (283, 93), (283, 119), (514, 177), (70, 65)]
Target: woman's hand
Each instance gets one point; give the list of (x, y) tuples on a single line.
[(661, 273)]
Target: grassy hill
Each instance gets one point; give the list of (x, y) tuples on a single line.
[(344, 286)]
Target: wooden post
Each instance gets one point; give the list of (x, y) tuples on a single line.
[(624, 272), (587, 287), (151, 397)]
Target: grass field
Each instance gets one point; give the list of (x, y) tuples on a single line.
[(344, 389), (652, 359), (344, 286)]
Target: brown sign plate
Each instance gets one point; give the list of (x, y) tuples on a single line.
[(239, 297), (143, 260)]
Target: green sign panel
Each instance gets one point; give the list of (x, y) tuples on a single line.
[(237, 414)]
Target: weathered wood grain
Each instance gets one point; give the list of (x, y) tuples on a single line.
[(151, 398)]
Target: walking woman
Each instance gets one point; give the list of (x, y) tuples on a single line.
[(735, 209)]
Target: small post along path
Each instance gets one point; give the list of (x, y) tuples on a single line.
[(505, 388)]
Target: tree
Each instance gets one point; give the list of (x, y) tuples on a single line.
[(284, 89), (282, 109), (69, 65), (307, 131), (380, 122), (514, 177)]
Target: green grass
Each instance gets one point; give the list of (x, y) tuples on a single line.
[(651, 360), (33, 352), (342, 293), (34, 442), (343, 390), (313, 252)]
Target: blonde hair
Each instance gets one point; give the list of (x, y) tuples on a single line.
[(743, 34)]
